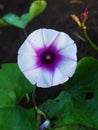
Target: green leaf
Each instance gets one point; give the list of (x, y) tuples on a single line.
[(18, 118), (78, 104), (66, 112), (36, 8), (3, 23), (13, 19), (72, 127), (13, 85), (85, 79)]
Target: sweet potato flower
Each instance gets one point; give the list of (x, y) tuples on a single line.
[(47, 57)]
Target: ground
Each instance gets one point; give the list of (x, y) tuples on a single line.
[(57, 16)]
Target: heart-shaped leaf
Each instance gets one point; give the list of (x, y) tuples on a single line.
[(13, 19), (13, 87), (36, 8), (78, 104)]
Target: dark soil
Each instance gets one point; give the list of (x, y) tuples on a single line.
[(56, 16)]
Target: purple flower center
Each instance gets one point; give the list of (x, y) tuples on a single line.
[(47, 57)]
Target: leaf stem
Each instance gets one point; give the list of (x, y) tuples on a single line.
[(39, 112), (33, 98), (25, 33), (89, 40), (27, 97)]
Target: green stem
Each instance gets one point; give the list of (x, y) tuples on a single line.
[(39, 112), (27, 97), (33, 97), (89, 40), (25, 33)]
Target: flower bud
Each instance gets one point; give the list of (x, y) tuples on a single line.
[(84, 15), (45, 125), (76, 19)]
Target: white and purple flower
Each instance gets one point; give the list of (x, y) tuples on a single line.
[(47, 57)]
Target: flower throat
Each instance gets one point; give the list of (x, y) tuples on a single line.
[(47, 57)]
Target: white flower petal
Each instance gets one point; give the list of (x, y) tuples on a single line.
[(69, 52), (68, 67), (49, 36), (63, 41), (59, 77), (26, 49), (45, 79), (32, 75), (35, 39), (26, 62), (49, 79)]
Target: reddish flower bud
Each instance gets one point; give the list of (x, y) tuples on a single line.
[(84, 15)]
